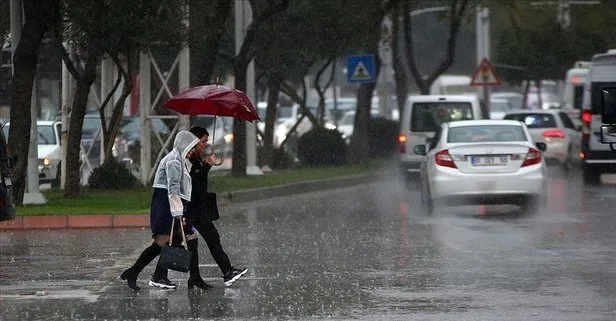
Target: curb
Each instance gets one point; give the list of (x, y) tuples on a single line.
[(224, 199)]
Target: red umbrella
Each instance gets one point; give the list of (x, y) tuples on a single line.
[(214, 100)]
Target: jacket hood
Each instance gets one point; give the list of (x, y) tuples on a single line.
[(184, 142)]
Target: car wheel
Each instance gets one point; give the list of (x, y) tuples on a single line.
[(591, 175)]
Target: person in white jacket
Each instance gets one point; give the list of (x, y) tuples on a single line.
[(172, 192)]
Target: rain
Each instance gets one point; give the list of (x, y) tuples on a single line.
[(104, 79)]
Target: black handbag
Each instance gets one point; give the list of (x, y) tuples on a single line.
[(173, 257), (210, 208)]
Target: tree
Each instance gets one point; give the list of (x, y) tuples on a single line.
[(359, 148), (401, 72), (303, 38), (121, 29), (458, 9), (240, 65), (5, 21), (207, 27), (39, 15), (560, 47)]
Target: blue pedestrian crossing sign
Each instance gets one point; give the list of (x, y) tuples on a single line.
[(361, 68)]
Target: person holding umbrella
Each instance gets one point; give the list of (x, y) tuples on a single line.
[(172, 192), (199, 171)]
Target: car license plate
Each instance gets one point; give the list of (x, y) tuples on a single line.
[(498, 160)]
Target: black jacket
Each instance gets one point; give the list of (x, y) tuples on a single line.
[(198, 174)]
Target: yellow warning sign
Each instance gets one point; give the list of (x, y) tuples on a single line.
[(485, 75), (360, 72)]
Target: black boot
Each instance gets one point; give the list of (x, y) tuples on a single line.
[(195, 277), (131, 274)]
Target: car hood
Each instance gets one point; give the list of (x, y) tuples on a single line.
[(49, 151), (346, 130)]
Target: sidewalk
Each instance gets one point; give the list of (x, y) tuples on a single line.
[(143, 220)]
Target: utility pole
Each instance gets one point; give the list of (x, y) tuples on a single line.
[(32, 194), (243, 18), (483, 48)]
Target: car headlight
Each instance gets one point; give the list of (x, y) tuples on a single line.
[(228, 138), (330, 126)]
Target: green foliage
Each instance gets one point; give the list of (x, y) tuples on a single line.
[(117, 24), (383, 137), (309, 31), (4, 20), (532, 38), (112, 175), (321, 146)]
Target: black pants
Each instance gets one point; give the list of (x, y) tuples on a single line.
[(208, 231)]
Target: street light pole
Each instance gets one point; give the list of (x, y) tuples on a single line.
[(483, 47), (243, 18)]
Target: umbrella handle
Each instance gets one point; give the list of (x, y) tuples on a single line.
[(214, 136), (218, 160)]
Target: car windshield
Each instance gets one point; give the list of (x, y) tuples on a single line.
[(46, 135), (485, 133), (427, 117), (533, 120), (91, 125)]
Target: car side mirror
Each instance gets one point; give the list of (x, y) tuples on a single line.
[(420, 150), (608, 134), (608, 99), (541, 146)]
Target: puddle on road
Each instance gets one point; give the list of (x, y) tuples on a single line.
[(85, 295)]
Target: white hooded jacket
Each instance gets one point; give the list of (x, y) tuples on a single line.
[(173, 172)]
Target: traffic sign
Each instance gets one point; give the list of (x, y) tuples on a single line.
[(485, 75), (361, 68)]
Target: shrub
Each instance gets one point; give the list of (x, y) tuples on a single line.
[(383, 137), (321, 146), (112, 175), (282, 159)]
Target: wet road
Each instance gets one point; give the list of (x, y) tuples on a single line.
[(360, 253)]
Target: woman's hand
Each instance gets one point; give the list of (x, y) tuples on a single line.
[(214, 160)]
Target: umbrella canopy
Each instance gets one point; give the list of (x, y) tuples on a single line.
[(216, 100)]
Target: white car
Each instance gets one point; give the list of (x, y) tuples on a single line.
[(49, 150), (483, 162), (555, 129), (347, 123)]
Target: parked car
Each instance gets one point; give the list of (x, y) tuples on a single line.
[(347, 123), (49, 150), (555, 129), (422, 117), (7, 206), (482, 162)]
